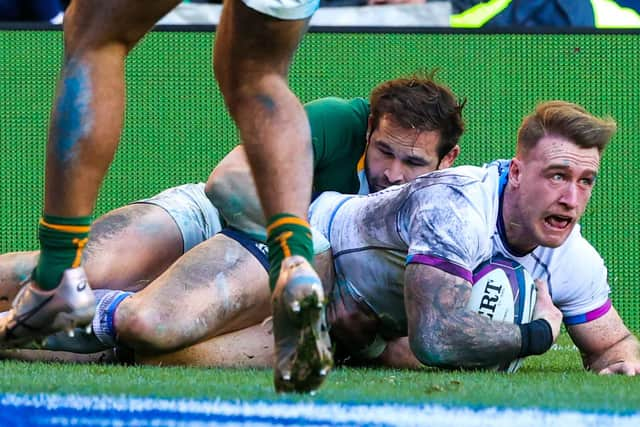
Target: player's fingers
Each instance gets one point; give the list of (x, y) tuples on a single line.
[(622, 368), (541, 287), (605, 371), (628, 369)]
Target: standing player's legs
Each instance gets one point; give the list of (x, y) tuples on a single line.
[(254, 44), (85, 127)]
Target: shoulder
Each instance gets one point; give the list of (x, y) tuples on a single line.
[(355, 108), (578, 255), (451, 215), (338, 130), (576, 274), (459, 185)]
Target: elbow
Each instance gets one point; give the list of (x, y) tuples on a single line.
[(217, 188), (433, 350), (233, 194)]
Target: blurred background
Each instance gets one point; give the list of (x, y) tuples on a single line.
[(533, 14)]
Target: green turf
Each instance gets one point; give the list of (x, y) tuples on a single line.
[(553, 381)]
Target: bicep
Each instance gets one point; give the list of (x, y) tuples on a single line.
[(433, 288)]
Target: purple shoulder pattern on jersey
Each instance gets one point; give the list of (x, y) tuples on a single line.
[(441, 264)]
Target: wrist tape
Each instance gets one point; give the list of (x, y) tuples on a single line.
[(537, 337)]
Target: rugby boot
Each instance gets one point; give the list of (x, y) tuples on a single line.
[(86, 340), (36, 313), (78, 341), (302, 344)]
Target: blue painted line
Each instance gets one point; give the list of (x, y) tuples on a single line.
[(107, 411)]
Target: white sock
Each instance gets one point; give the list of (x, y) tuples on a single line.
[(103, 326)]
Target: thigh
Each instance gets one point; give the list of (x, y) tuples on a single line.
[(251, 347), (131, 246), (98, 23), (215, 288)]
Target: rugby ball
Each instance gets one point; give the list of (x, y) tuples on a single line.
[(504, 291)]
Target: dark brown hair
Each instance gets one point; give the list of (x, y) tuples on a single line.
[(421, 103)]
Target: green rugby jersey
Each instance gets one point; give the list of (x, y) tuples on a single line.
[(339, 139)]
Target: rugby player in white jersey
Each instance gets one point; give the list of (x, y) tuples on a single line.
[(403, 257), (409, 261)]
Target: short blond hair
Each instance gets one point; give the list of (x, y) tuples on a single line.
[(567, 120)]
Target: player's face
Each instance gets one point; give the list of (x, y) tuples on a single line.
[(554, 180), (396, 155)]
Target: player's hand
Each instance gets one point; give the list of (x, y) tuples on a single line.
[(622, 367), (351, 327), (546, 310)]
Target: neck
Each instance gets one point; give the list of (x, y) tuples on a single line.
[(519, 239)]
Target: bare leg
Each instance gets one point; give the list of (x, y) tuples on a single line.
[(85, 127), (251, 347), (252, 56), (87, 117), (215, 288), (129, 247)]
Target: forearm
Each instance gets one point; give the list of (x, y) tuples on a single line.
[(444, 333), (606, 345), (625, 350), (466, 340), (232, 191)]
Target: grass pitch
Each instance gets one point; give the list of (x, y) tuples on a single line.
[(553, 381)]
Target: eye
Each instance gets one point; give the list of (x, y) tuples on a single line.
[(588, 182), (416, 163), (557, 177), (385, 151)]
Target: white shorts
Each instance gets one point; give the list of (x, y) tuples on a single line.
[(193, 213), (284, 9)]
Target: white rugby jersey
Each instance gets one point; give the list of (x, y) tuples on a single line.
[(449, 219)]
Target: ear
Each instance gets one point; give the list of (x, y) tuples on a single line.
[(369, 126), (515, 172), (449, 158)]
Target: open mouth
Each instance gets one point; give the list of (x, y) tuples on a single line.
[(559, 222)]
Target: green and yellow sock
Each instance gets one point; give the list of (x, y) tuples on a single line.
[(62, 240), (287, 235)]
